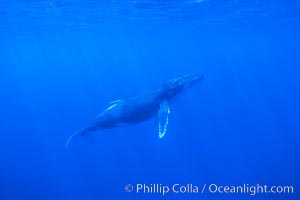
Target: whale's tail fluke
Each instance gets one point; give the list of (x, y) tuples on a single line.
[(81, 133)]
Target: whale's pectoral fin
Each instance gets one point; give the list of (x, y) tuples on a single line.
[(114, 102), (163, 118), (82, 133)]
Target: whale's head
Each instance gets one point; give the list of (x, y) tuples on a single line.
[(186, 81), (191, 80), (180, 84)]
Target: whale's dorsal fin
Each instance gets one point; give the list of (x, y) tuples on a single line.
[(163, 118)]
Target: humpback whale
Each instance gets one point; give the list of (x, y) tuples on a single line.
[(155, 102)]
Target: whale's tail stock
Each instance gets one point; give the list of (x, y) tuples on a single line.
[(83, 133)]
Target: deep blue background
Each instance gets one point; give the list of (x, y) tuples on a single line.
[(63, 62)]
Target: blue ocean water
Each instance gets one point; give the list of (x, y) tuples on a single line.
[(62, 62)]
